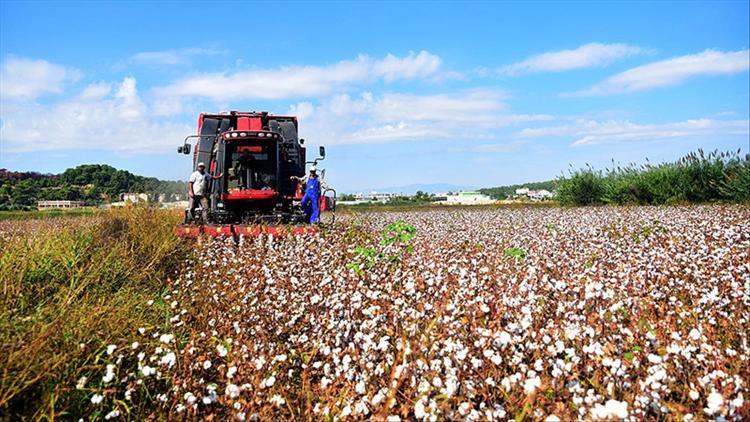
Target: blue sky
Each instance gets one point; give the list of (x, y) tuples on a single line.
[(478, 94)]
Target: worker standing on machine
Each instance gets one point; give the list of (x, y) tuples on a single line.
[(311, 201), (197, 188)]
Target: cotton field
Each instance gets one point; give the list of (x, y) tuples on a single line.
[(488, 314)]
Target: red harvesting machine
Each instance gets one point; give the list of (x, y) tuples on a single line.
[(264, 198)]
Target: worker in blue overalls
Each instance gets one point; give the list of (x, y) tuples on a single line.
[(311, 201)]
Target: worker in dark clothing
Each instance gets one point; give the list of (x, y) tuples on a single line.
[(311, 201), (243, 168)]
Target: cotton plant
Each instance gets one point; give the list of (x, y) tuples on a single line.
[(612, 325)]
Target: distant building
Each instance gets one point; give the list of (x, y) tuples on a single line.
[(522, 192), (134, 197), (468, 198), (540, 195), (374, 196), (47, 205)]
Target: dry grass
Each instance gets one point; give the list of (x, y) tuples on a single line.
[(70, 287)]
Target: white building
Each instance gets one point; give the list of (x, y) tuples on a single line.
[(522, 192), (540, 195), (468, 198), (47, 205), (134, 197), (374, 196)]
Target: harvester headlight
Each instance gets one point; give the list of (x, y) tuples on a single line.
[(243, 134), (226, 135), (261, 134), (234, 135)]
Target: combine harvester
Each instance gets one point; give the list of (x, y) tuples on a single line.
[(267, 203)]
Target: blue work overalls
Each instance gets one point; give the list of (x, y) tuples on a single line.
[(311, 201)]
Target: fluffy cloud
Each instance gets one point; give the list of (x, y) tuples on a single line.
[(100, 118), (671, 72), (181, 56), (304, 81), (393, 117), (28, 78), (589, 55), (590, 132)]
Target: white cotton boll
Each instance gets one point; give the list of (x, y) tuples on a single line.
[(269, 382), (531, 384), (419, 410), (111, 349), (148, 371), (113, 414), (694, 395), (463, 408), (694, 334), (166, 338), (168, 359), (231, 371), (571, 332), (97, 398), (504, 337), (206, 364), (360, 388), (552, 418), (617, 409), (221, 350), (232, 391), (378, 398), (189, 398), (714, 403), (496, 359), (277, 400), (654, 358)]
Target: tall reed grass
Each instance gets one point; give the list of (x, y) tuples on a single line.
[(697, 177), (71, 287)]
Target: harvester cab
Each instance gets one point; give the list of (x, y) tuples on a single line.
[(254, 162)]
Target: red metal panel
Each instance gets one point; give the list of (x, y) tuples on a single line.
[(256, 123), (243, 123), (188, 232), (248, 231), (250, 194), (215, 231)]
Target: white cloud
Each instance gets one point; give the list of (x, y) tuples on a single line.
[(98, 119), (96, 90), (395, 117), (591, 132), (28, 78), (304, 81), (500, 148), (181, 56), (671, 72), (589, 55)]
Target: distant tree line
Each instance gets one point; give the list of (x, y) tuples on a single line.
[(696, 177), (505, 192), (91, 183)]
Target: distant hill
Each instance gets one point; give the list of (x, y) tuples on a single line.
[(424, 187), (91, 183), (503, 192)]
